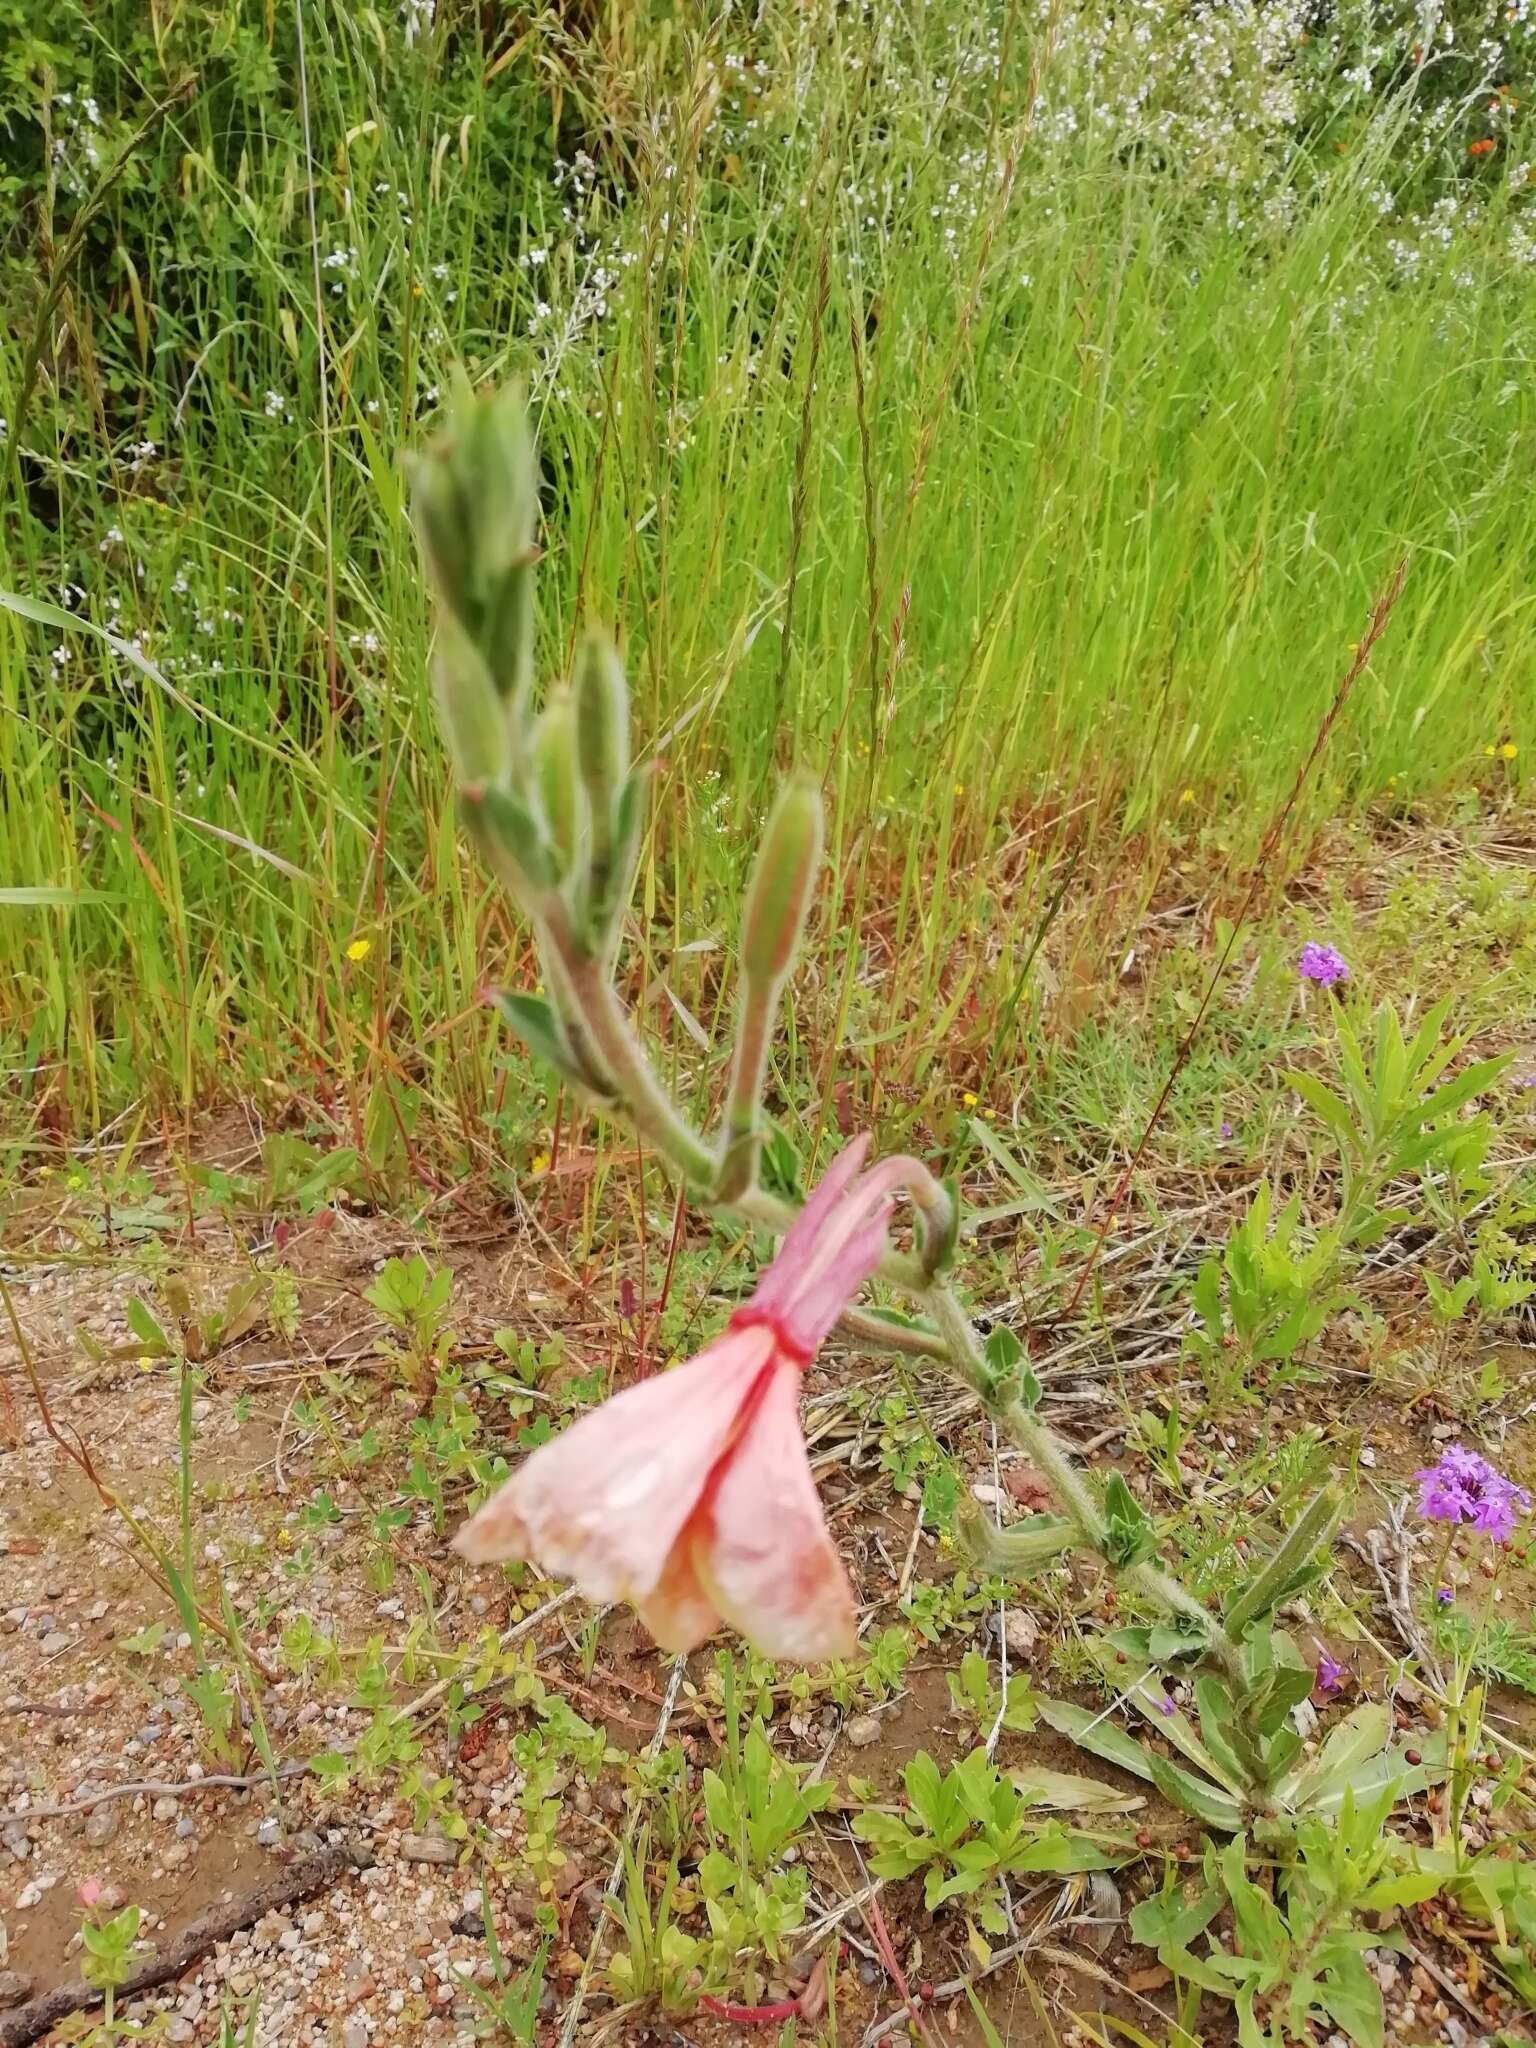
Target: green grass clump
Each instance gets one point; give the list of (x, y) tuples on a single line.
[(1013, 419)]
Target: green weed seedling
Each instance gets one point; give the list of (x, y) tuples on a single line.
[(977, 1700), (655, 1957), (107, 1962), (1295, 1954), (413, 1300), (1262, 1300), (969, 1828), (1395, 1118), (509, 2009)]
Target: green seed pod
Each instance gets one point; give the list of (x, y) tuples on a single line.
[(782, 883), (475, 504), (558, 777), (472, 715), (602, 724)]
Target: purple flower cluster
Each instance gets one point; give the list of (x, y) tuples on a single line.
[(1464, 1487), (1321, 964)]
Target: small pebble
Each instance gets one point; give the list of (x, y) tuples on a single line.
[(14, 1989), (428, 1849), (862, 1730), (101, 1825), (166, 1807), (54, 1642)]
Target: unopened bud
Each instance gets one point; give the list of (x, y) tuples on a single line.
[(559, 781), (475, 503), (472, 715), (512, 840), (782, 883), (602, 723)]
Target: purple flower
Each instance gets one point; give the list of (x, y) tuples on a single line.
[(1166, 1707), (1445, 1595), (1330, 1674), (1226, 1130), (1464, 1487), (1321, 964)]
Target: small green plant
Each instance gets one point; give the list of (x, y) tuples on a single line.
[(657, 1958), (413, 1300), (1394, 1116), (108, 1957), (1296, 1952), (1262, 1300), (1492, 1287), (509, 2009), (977, 1700), (971, 1827)]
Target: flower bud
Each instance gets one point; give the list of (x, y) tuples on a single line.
[(472, 716), (602, 725), (558, 778), (475, 503), (782, 883)]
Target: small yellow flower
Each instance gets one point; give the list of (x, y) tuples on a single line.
[(968, 1099), (1186, 796), (1509, 750), (959, 789), (1490, 750), (146, 1365), (990, 1115), (539, 1163), (359, 949), (285, 1539)]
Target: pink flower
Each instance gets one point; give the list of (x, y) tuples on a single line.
[(691, 1494), (89, 1890)]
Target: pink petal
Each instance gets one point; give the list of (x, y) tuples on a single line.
[(834, 1245), (605, 1502), (679, 1613), (768, 1560)]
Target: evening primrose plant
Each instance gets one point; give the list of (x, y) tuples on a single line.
[(690, 1494)]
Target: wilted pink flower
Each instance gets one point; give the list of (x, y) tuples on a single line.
[(1322, 964), (691, 1495), (89, 1890)]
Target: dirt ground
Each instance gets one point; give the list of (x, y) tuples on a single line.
[(94, 1667)]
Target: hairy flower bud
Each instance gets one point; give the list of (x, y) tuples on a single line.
[(475, 503), (782, 883), (558, 778), (602, 724), (472, 716)]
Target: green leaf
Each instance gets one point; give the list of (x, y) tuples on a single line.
[(1197, 1796), (144, 1326), (1094, 1732), (1361, 1735), (1064, 1789), (1351, 1996), (1330, 1108), (1172, 1919)]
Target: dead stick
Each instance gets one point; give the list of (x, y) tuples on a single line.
[(29, 2022)]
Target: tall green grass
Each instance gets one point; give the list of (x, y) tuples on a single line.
[(1034, 490)]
